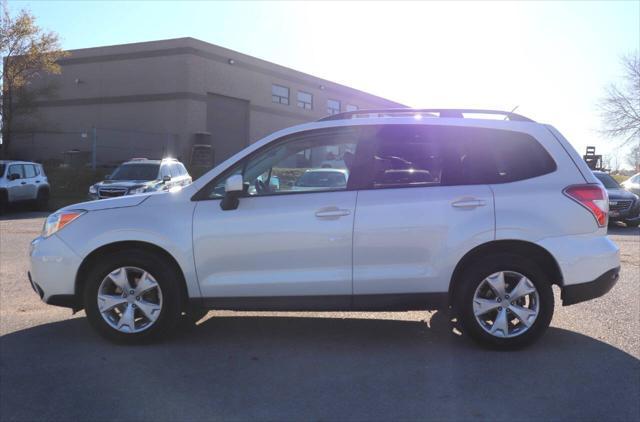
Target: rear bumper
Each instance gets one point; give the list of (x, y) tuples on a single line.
[(577, 293)]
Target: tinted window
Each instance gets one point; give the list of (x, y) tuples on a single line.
[(136, 172), (608, 181), (29, 171), (417, 155), (16, 169)]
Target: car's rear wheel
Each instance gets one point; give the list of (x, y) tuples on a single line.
[(506, 301), (633, 223), (133, 296)]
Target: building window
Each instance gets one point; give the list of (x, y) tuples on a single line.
[(333, 106), (280, 94), (351, 107), (305, 100)]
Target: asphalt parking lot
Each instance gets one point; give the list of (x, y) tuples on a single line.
[(315, 366)]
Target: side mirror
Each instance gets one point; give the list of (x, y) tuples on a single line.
[(233, 188), (14, 176), (166, 179), (107, 177)]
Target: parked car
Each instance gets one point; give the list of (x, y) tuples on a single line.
[(632, 184), (322, 179), (22, 181), (141, 175), (624, 206), (508, 210)]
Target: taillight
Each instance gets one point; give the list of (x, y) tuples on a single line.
[(593, 197)]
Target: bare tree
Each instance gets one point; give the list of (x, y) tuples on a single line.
[(621, 106), (633, 157), (27, 51)]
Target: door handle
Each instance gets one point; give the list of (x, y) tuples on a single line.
[(23, 183), (332, 212), (469, 203)]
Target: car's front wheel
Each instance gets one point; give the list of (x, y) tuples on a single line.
[(133, 296), (506, 301)]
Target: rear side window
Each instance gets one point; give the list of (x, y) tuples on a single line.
[(29, 171), (420, 155)]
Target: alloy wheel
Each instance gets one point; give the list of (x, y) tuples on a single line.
[(129, 299), (506, 304)]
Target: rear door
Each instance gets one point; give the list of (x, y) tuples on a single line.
[(30, 176), (417, 215)]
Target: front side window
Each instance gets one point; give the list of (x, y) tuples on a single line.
[(136, 172), (280, 94), (317, 161), (305, 100), (333, 106), (16, 169)]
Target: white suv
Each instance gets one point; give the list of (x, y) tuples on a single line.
[(440, 210), (23, 181)]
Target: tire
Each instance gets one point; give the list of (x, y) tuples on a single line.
[(4, 201), (478, 285), (632, 223), (162, 302), (42, 200)]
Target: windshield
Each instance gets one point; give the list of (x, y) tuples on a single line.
[(321, 179), (608, 181), (136, 172)]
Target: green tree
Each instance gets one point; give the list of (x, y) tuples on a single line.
[(28, 51)]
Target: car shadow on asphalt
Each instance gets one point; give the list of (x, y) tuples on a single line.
[(291, 368)]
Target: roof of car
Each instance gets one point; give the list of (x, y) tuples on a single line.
[(148, 161)]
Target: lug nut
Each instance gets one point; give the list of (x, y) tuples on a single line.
[(137, 297), (499, 300), (134, 306), (506, 296), (131, 292)]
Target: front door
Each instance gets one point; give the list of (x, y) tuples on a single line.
[(17, 188), (291, 234)]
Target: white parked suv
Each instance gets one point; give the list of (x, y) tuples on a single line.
[(441, 210), (23, 181)]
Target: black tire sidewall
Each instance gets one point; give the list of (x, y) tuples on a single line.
[(42, 199), (481, 269), (165, 274)]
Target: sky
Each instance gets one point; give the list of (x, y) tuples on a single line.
[(551, 59)]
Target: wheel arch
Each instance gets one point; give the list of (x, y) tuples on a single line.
[(540, 255), (106, 249)]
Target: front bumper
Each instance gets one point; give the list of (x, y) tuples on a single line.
[(53, 269), (629, 214), (576, 293)]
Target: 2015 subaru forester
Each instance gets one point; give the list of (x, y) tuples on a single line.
[(441, 209)]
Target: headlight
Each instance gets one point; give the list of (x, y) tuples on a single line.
[(133, 191), (92, 189), (58, 220)]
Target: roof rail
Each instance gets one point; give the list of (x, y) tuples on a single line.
[(430, 112)]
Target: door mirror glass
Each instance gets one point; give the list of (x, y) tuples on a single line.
[(234, 184), (14, 176), (166, 178)]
